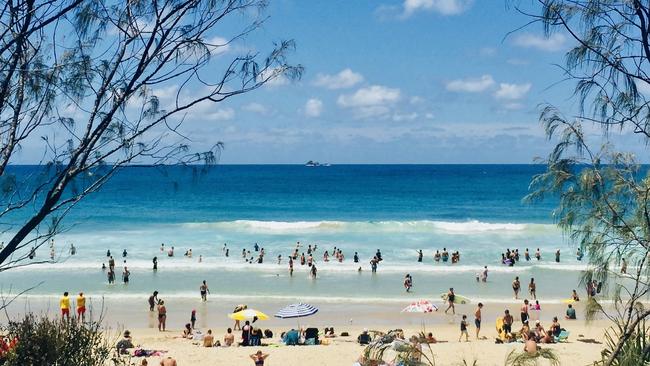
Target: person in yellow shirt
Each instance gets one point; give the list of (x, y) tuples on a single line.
[(64, 304), (81, 307)]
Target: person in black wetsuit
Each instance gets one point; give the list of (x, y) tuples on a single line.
[(155, 263)]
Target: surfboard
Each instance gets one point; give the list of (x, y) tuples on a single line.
[(568, 301), (499, 326), (458, 299)]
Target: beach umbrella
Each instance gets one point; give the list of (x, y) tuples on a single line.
[(296, 311), (248, 314), (421, 306)]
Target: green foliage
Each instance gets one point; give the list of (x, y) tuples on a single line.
[(407, 354), (42, 341), (635, 351), (515, 358)]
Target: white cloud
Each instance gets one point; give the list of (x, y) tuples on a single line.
[(556, 42), (225, 114), (404, 117), (275, 76), (513, 106), (443, 7), (313, 107), (344, 79), (512, 91), (255, 108), (471, 85), (371, 96), (217, 45)]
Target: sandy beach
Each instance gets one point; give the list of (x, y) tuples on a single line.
[(345, 351)]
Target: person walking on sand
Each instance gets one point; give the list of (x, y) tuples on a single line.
[(81, 307), (162, 316), (477, 319), (463, 329), (524, 312), (451, 297), (532, 289), (516, 285), (204, 291), (259, 358), (64, 304)]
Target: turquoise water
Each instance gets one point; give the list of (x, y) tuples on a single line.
[(399, 209)]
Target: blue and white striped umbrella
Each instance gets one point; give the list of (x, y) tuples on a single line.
[(296, 311)]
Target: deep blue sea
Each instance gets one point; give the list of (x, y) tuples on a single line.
[(399, 209)]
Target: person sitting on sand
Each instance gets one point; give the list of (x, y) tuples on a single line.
[(208, 339), (524, 332), (169, 361), (541, 335), (364, 337), (570, 313), (187, 332), (530, 346), (246, 333), (228, 338), (329, 332), (125, 343), (259, 357), (430, 338), (291, 338)]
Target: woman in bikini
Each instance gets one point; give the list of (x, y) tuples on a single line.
[(162, 316)]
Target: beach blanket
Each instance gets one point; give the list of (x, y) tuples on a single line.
[(139, 352)]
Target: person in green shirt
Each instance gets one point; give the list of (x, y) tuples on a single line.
[(570, 312)]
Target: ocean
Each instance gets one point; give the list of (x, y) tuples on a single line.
[(398, 209)]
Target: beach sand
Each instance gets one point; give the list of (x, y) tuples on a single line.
[(352, 318), (344, 350)]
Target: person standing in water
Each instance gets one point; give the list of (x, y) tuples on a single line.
[(516, 285), (64, 304), (538, 255), (527, 255), (125, 275), (290, 266), (532, 289), (451, 297), (356, 257), (155, 263), (204, 291), (153, 299), (408, 282), (420, 255), (557, 256)]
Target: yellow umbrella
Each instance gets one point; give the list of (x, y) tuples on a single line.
[(248, 314)]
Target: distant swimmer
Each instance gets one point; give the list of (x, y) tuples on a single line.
[(436, 257), (162, 247), (378, 255), (200, 258), (111, 263), (108, 253), (326, 256), (538, 255), (313, 271), (557, 256), (225, 246), (302, 259), (420, 255), (373, 264), (73, 250), (279, 259), (579, 254), (103, 266), (170, 253), (155, 263), (445, 255), (256, 247), (485, 274), (204, 291), (516, 286), (111, 277), (227, 252), (527, 255), (356, 258), (124, 253)]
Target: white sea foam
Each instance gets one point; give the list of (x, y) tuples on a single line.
[(448, 227)]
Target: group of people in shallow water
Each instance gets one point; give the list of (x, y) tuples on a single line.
[(441, 256), (510, 257)]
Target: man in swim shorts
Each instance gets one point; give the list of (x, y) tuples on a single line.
[(477, 319), (64, 304), (81, 307)]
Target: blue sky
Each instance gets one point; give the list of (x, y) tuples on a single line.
[(390, 81)]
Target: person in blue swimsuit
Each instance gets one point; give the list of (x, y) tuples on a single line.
[(259, 358)]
